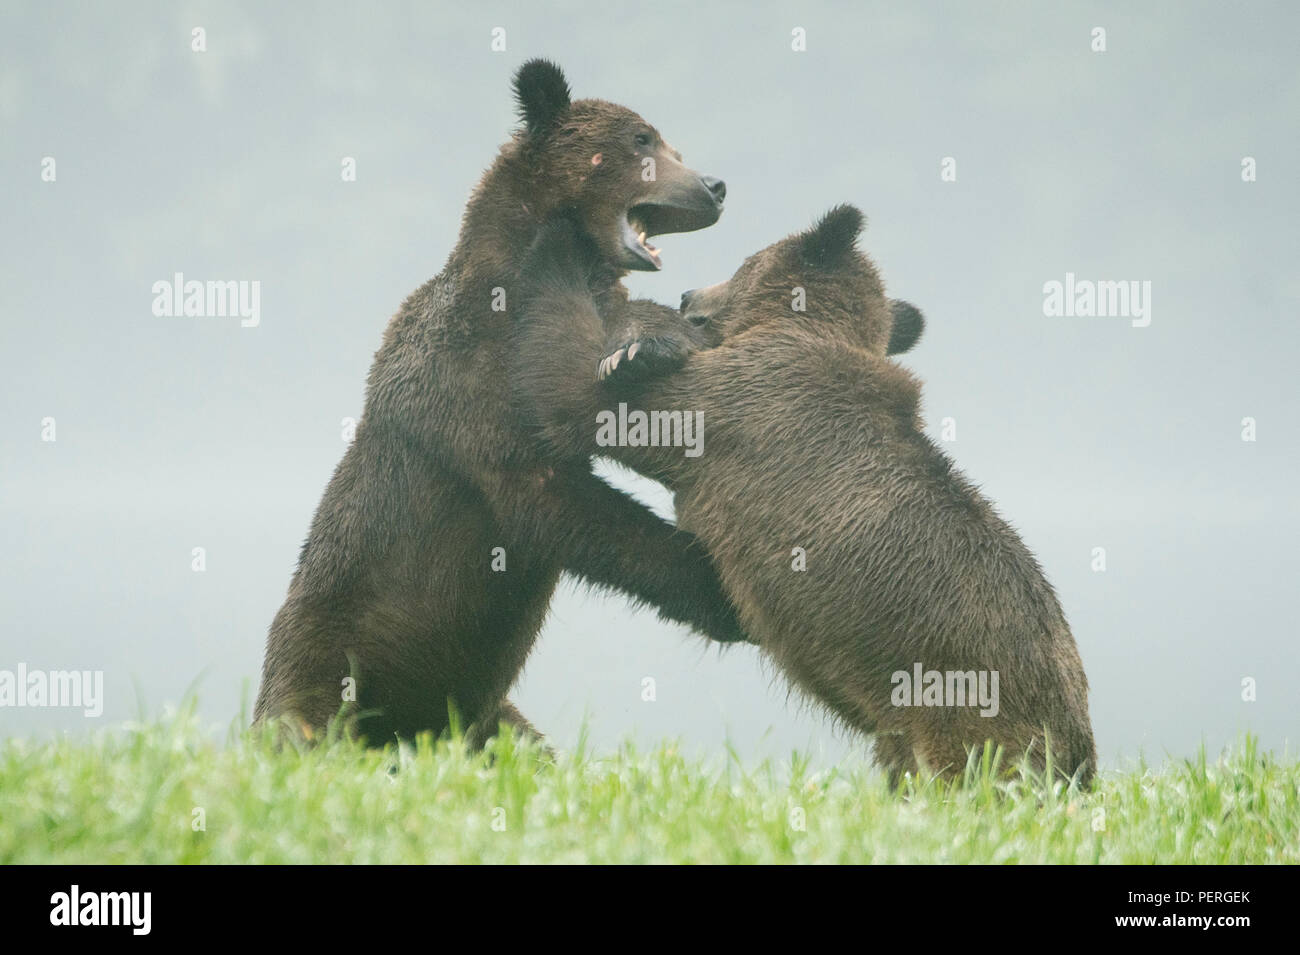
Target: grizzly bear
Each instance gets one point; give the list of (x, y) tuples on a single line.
[(434, 552), (875, 576)]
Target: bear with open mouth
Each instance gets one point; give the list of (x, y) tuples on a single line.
[(432, 557)]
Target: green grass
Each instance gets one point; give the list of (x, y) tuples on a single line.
[(129, 795)]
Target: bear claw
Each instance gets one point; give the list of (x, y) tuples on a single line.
[(611, 362)]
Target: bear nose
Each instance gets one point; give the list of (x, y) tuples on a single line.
[(717, 187), (686, 299)]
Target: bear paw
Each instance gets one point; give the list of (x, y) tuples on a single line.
[(643, 358)]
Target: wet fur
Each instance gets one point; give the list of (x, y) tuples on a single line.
[(394, 585), (812, 440)]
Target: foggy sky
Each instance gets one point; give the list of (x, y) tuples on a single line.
[(175, 433)]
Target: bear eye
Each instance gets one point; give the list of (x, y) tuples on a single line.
[(643, 139)]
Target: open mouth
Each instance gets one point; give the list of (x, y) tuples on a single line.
[(649, 219), (634, 233)]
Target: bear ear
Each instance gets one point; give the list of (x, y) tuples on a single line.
[(832, 237), (542, 93), (907, 327)]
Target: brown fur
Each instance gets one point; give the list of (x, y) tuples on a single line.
[(812, 440), (394, 585)]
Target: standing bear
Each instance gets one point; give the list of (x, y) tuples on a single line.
[(880, 581), (433, 555)]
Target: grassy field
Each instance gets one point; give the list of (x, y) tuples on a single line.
[(140, 793)]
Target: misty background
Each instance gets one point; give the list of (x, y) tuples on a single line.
[(176, 433)]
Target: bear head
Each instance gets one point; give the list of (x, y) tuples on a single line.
[(818, 278), (623, 181)]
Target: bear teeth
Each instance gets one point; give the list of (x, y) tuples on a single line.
[(638, 230)]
